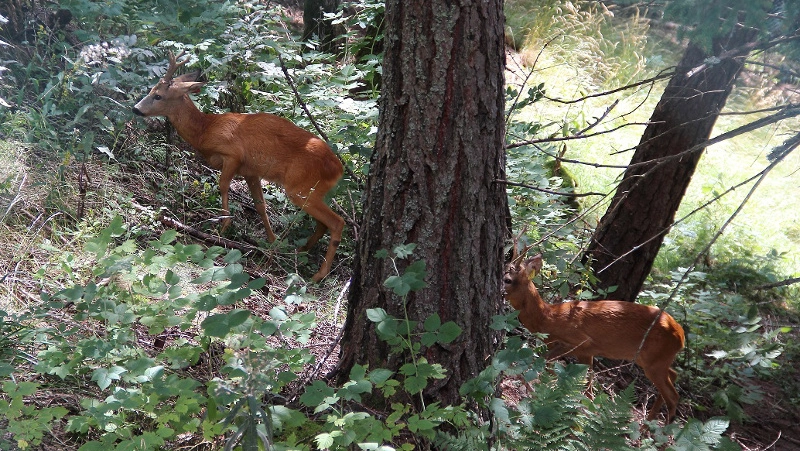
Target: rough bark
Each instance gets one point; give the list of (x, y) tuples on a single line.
[(438, 151), (630, 233)]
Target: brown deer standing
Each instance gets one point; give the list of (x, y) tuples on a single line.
[(256, 146), (612, 329)]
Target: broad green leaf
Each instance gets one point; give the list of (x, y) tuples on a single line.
[(324, 440), (216, 325), (380, 375), (415, 384), (449, 332), (398, 285), (432, 323), (168, 236), (316, 393), (238, 317), (105, 376), (376, 315), (404, 250)]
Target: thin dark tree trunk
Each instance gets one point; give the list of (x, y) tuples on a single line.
[(315, 23), (438, 151), (630, 234)]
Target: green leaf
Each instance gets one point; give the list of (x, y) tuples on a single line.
[(449, 332), (257, 284), (324, 440), (284, 417), (352, 390), (219, 325), (716, 427), (420, 425), (408, 369), (233, 256), (358, 372), (315, 394), (397, 285), (238, 317), (415, 384), (93, 446), (404, 250), (168, 236), (428, 338), (432, 323), (430, 370), (377, 315), (415, 274), (105, 376), (380, 375), (171, 278), (238, 279)]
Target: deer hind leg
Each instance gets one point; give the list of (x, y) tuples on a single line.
[(254, 183), (314, 205), (225, 177), (664, 380), (312, 240)]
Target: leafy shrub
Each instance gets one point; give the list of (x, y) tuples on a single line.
[(185, 297), (727, 347)]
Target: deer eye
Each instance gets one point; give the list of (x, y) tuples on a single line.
[(157, 97)]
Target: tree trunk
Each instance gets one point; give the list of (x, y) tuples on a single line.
[(629, 235), (438, 151)]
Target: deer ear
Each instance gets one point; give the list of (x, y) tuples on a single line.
[(185, 86), (533, 265), (191, 76)]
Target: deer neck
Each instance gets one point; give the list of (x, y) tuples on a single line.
[(189, 122), (533, 311)]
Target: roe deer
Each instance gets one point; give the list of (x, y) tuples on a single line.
[(612, 329), (256, 146)]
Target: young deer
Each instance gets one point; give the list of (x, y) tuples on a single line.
[(255, 146), (612, 329)]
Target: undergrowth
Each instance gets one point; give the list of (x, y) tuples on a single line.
[(219, 375)]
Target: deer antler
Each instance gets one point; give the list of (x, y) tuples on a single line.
[(517, 257), (174, 65)]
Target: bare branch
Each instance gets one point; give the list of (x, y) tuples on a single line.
[(666, 73), (572, 137), (782, 283), (547, 191)]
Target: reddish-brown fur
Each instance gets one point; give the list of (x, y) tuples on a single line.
[(612, 329), (254, 146)]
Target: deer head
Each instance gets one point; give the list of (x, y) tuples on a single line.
[(169, 93)]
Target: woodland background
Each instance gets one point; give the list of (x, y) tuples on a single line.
[(126, 322)]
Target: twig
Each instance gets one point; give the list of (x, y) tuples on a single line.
[(303, 105), (782, 283), (215, 240), (572, 137), (330, 350), (547, 191), (599, 119), (666, 73), (527, 77)]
